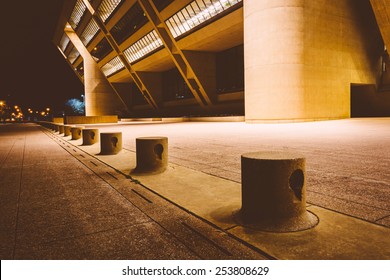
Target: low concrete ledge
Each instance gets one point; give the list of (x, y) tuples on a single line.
[(91, 119)]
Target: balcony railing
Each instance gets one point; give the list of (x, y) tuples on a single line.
[(73, 55), (196, 13), (143, 46), (77, 14), (64, 42), (113, 66), (106, 8), (89, 32)]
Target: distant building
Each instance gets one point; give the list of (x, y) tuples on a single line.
[(267, 60)]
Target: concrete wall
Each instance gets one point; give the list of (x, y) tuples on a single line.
[(90, 119), (302, 55)]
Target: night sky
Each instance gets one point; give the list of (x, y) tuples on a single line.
[(33, 73)]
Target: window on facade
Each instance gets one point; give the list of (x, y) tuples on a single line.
[(77, 14), (113, 66), (230, 70), (195, 13), (102, 49), (133, 20), (174, 86), (142, 47), (107, 8)]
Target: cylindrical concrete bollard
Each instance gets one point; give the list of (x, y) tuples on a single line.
[(60, 129), (67, 131), (110, 143), (151, 154), (90, 136), (274, 192), (76, 132)]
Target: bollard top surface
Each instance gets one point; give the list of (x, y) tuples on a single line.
[(273, 155), (152, 138), (109, 133)]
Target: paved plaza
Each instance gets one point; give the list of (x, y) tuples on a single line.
[(62, 200)]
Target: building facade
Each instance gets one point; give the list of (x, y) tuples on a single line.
[(267, 60)]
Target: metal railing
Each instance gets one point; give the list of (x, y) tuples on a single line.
[(77, 14), (143, 46), (196, 13), (64, 42), (113, 66), (89, 32), (106, 8)]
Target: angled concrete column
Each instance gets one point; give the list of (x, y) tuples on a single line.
[(100, 97)]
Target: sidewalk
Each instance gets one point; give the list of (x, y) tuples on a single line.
[(54, 206)]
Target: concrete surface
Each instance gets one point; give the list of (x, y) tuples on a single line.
[(58, 202), (347, 182)]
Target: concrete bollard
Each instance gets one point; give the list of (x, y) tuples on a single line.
[(90, 136), (60, 129), (110, 143), (274, 192), (76, 132), (67, 131), (151, 154)]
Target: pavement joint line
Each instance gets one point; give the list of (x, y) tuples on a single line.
[(382, 218), (137, 193), (18, 201), (355, 202), (224, 250), (348, 215), (111, 175), (187, 212)]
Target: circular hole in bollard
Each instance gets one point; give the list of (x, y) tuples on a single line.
[(158, 150), (296, 181), (114, 141), (92, 134)]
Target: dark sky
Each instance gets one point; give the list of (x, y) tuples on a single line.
[(33, 72)]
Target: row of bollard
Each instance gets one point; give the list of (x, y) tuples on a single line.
[(273, 183), (151, 152)]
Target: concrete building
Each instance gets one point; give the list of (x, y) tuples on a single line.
[(267, 60)]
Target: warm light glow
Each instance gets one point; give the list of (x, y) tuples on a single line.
[(47, 109), (16, 107)]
